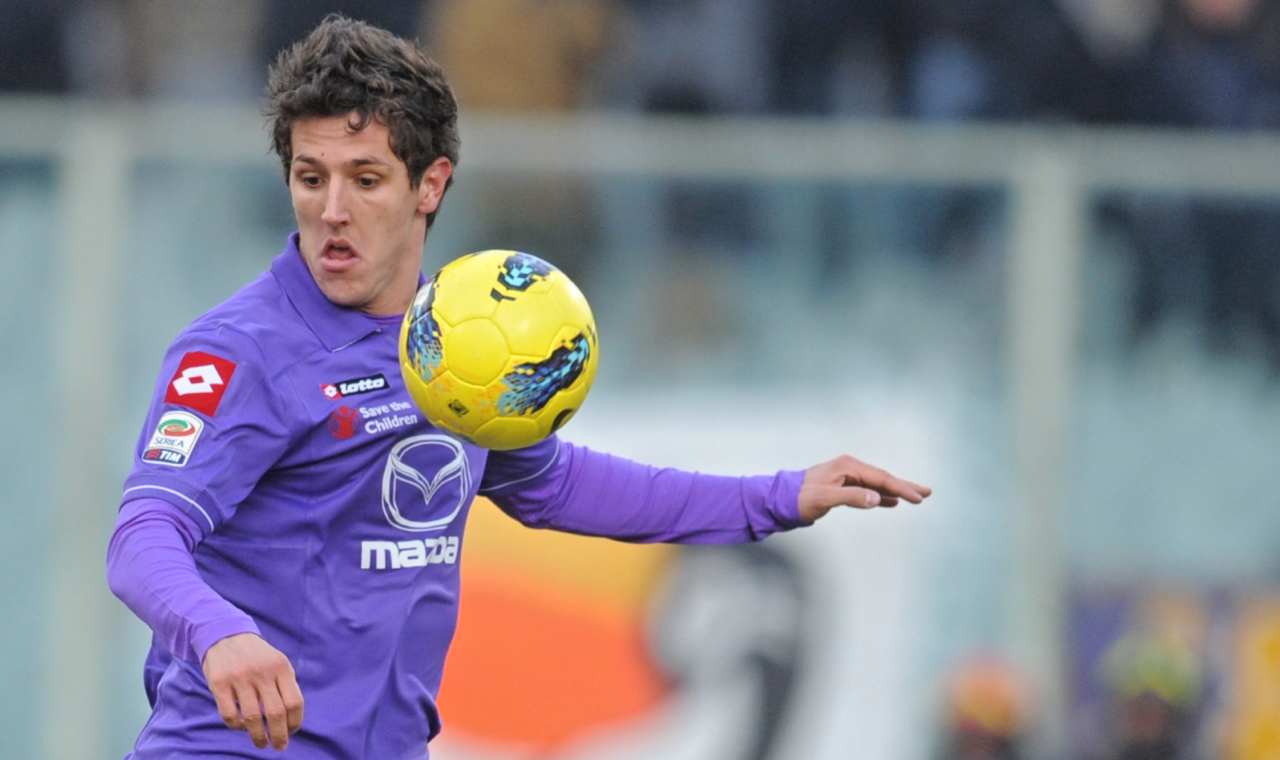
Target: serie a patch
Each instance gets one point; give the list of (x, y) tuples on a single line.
[(174, 439)]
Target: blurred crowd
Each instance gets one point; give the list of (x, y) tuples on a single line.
[(1211, 64), (1208, 63), (1152, 706)]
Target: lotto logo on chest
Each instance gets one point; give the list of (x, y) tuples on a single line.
[(344, 388)]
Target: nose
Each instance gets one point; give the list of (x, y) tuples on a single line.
[(335, 206)]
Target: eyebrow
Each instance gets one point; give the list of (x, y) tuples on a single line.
[(355, 162)]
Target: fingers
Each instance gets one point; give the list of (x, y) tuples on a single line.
[(923, 490), (226, 700), (881, 481), (852, 496), (292, 697), (857, 472), (255, 689), (274, 713), (816, 499), (251, 713), (265, 716), (846, 480), (271, 710)]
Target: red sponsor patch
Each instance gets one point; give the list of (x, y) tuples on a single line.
[(342, 423), (200, 381)]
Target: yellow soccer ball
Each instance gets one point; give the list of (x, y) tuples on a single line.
[(499, 348)]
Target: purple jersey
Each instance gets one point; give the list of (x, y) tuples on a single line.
[(332, 514)]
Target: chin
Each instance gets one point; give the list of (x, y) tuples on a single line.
[(343, 296)]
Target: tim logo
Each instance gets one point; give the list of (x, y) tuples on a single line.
[(418, 502), (342, 423), (335, 391)]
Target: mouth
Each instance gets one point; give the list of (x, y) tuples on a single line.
[(338, 255)]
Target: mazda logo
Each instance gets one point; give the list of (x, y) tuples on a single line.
[(413, 501)]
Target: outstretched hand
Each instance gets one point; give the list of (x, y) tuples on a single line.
[(255, 688), (847, 481)]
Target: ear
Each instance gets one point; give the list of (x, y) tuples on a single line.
[(431, 188)]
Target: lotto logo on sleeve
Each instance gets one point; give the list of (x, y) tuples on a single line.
[(200, 381), (174, 440)]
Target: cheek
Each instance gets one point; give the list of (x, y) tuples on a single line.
[(304, 204), (389, 208)]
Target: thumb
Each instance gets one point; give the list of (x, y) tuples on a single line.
[(820, 499)]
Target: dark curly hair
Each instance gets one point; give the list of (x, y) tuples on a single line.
[(345, 66)]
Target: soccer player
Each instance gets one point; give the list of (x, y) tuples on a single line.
[(291, 528)]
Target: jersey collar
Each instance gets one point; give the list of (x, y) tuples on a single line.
[(336, 326)]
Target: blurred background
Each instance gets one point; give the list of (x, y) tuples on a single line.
[(1022, 250)]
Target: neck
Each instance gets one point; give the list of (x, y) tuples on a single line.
[(396, 298), (399, 293)]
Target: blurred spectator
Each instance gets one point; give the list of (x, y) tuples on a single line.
[(96, 50), (1155, 685), (699, 58), (1206, 60), (526, 55), (1022, 59), (194, 49), (987, 712), (286, 21), (736, 675), (130, 48), (828, 56), (691, 56), (536, 56), (1213, 65), (32, 57)]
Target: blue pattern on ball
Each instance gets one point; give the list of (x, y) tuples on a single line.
[(423, 343), (533, 385), (521, 270)]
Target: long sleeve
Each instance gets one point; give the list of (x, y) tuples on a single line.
[(151, 569), (593, 493)]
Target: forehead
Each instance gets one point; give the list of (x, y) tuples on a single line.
[(331, 139)]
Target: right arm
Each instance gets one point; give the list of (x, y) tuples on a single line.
[(151, 569), (215, 426)]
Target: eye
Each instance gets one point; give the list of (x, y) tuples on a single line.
[(309, 180), (367, 180)]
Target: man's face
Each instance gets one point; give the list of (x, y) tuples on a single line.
[(361, 224)]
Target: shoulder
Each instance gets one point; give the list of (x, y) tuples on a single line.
[(257, 325), (245, 344)]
